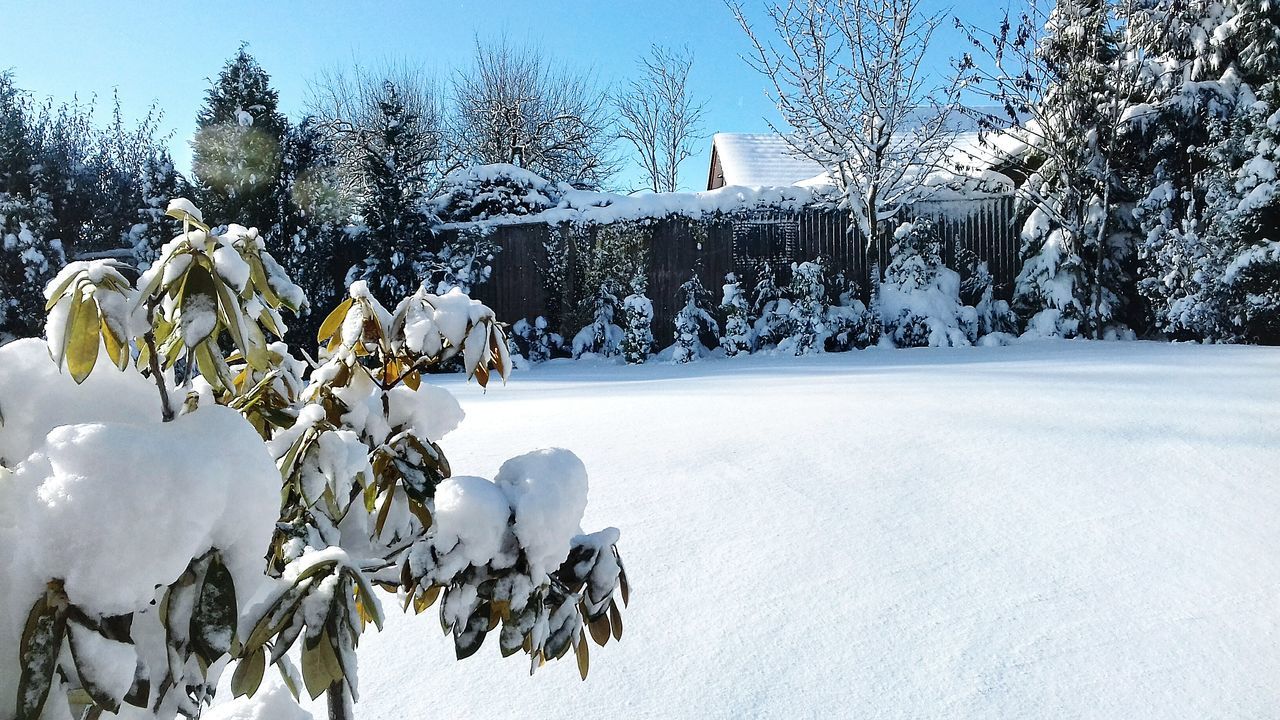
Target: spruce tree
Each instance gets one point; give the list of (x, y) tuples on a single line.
[(236, 153)]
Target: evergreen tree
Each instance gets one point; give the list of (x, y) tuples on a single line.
[(637, 342), (464, 260), (236, 153), (738, 334), (314, 214), (693, 321), (396, 224), (1076, 241), (30, 252), (806, 317), (602, 335), (536, 340), (158, 184), (770, 324), (1208, 65), (920, 296)]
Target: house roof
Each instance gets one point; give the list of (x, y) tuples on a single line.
[(759, 160)]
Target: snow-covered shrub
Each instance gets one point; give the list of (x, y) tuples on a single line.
[(771, 319), (481, 192), (806, 316), (536, 341), (693, 320), (848, 321), (135, 593), (739, 336), (977, 290), (29, 257), (602, 335), (637, 341), (919, 300)]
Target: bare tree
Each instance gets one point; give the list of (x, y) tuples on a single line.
[(848, 78), (514, 105), (659, 118), (349, 109)]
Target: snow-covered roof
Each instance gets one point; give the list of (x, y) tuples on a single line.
[(759, 160)]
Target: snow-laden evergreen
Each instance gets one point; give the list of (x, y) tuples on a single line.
[(693, 321), (637, 341), (396, 229), (920, 296), (766, 305), (806, 311), (739, 336), (602, 336), (536, 340)]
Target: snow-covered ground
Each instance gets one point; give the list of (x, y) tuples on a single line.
[(1058, 529)]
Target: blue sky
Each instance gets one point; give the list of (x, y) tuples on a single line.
[(165, 52)]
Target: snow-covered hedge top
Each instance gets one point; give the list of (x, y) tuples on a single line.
[(488, 195)]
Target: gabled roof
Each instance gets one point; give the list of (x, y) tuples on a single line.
[(757, 160)]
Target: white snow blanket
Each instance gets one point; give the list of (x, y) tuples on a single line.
[(1049, 530)]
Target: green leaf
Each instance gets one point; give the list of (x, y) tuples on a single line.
[(38, 655), (248, 675), (82, 337)]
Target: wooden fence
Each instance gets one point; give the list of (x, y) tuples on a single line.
[(678, 247)]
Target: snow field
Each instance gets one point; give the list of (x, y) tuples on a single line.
[(1052, 529)]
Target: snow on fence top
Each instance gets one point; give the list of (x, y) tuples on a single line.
[(490, 195)]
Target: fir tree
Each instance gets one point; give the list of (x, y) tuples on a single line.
[(738, 334), (236, 153), (637, 342)]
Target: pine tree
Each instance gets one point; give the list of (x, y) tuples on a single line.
[(464, 260), (236, 153), (693, 320), (396, 225), (738, 334), (637, 342), (920, 296)]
